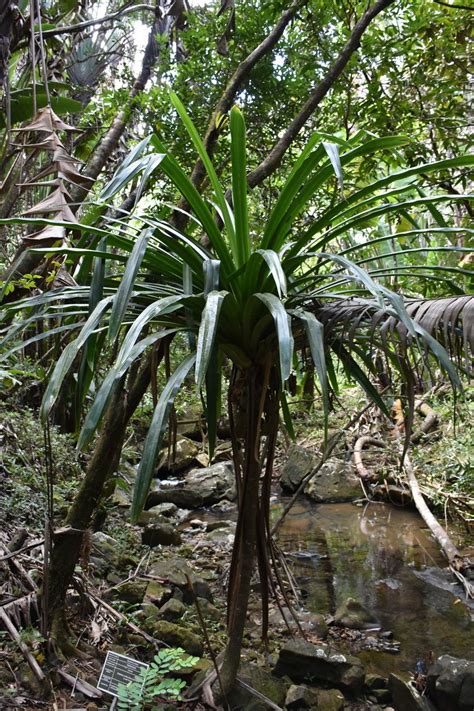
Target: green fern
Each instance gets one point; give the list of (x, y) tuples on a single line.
[(150, 687)]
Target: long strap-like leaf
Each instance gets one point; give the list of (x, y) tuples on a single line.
[(155, 435)]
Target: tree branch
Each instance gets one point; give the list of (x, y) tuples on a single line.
[(73, 29), (454, 7), (273, 159), (236, 82), (111, 139)]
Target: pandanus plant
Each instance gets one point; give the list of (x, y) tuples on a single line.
[(249, 297)]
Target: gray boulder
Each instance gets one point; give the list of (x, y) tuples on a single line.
[(199, 487), (335, 482), (185, 455), (300, 461), (309, 621), (262, 681), (176, 572), (450, 683), (161, 534), (305, 662), (354, 615), (172, 610), (302, 697), (405, 697)]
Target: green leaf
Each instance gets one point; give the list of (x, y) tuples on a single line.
[(22, 108), (213, 398), (207, 333), (274, 265), (332, 149), (239, 186), (122, 297), (155, 435), (171, 168), (67, 358), (315, 335), (354, 370), (287, 419), (114, 375), (214, 180), (283, 329)]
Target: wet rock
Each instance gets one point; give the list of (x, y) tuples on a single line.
[(168, 510), (133, 591), (209, 611), (200, 487), (184, 455), (381, 695), (303, 697), (104, 546), (261, 680), (300, 697), (300, 461), (177, 636), (222, 536), (176, 572), (335, 482), (354, 615), (450, 683), (309, 621), (375, 681), (172, 610), (224, 507), (212, 525), (304, 662), (405, 697), (161, 534)]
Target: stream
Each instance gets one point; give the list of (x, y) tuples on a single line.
[(386, 559)]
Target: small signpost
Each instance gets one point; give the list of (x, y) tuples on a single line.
[(118, 669)]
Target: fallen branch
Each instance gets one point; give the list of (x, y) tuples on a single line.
[(13, 632), (80, 685), (118, 616), (19, 569), (430, 422), (457, 563), (363, 472)]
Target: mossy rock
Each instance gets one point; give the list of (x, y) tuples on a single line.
[(172, 610), (133, 591), (177, 636), (157, 594), (261, 680)]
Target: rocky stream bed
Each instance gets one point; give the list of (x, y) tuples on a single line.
[(384, 625)]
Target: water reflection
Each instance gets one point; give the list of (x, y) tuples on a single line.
[(386, 559)]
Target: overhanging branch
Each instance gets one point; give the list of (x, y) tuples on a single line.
[(237, 81), (273, 159), (73, 29)]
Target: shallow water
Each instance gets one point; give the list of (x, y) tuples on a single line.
[(386, 559)]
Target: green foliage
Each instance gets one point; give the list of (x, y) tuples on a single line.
[(22, 467), (151, 685), (256, 289), (445, 458)]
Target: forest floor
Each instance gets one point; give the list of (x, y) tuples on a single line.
[(121, 582)]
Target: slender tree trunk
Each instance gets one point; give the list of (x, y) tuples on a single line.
[(104, 461), (245, 545)]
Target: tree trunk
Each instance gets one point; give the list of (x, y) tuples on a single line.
[(104, 461), (245, 545)]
